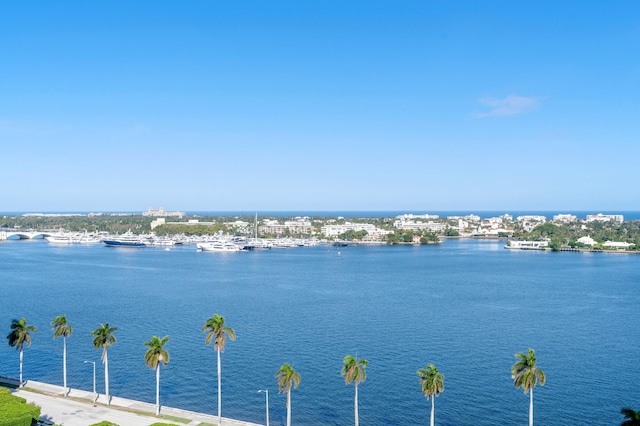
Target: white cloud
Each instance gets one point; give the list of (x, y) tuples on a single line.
[(510, 105)]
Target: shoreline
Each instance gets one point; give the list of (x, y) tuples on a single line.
[(576, 250), (78, 408)]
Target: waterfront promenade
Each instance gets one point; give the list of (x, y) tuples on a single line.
[(78, 409)]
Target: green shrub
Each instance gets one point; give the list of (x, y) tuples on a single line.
[(14, 411), (104, 423)]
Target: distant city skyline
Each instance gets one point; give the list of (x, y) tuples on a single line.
[(320, 106)]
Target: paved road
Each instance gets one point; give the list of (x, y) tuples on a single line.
[(67, 412), (78, 409)]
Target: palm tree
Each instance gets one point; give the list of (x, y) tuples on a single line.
[(19, 336), (104, 338), (155, 356), (216, 331), (353, 370), (62, 328), (526, 375), (432, 382), (632, 417), (287, 376)]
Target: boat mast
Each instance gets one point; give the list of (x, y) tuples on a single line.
[(256, 230)]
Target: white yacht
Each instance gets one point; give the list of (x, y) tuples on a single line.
[(72, 238), (61, 238), (219, 245), (125, 240)]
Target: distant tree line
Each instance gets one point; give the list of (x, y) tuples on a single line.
[(406, 236), (568, 234)]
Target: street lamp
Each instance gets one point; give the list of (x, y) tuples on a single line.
[(266, 393), (95, 395)]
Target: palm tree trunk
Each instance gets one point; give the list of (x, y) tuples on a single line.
[(355, 405), (219, 391), (289, 408), (21, 384), (531, 407), (433, 409), (158, 389), (64, 364), (106, 377)]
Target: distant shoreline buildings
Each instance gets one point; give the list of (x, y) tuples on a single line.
[(162, 213)]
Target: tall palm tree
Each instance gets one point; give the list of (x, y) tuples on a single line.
[(155, 356), (353, 370), (432, 382), (62, 328), (20, 334), (287, 377), (632, 417), (103, 338), (217, 332), (526, 375)]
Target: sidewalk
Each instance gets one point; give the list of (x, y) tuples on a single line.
[(77, 409)]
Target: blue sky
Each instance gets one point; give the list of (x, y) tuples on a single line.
[(320, 105)]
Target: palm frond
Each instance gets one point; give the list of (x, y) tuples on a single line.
[(103, 337), (156, 353), (632, 417), (217, 332), (353, 370), (432, 381), (524, 372), (61, 327), (20, 333), (286, 377)]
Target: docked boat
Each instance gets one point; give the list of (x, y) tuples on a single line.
[(126, 240), (61, 238), (88, 239), (258, 244), (219, 246), (160, 241), (72, 238)]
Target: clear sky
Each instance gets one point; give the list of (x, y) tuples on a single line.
[(319, 105)]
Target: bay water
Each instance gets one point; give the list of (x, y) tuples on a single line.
[(465, 305)]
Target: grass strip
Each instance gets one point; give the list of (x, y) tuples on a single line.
[(162, 416)]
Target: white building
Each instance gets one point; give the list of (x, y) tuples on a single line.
[(417, 216), (470, 218), (531, 218), (335, 230), (605, 218), (587, 241), (564, 218), (617, 245), (271, 226), (418, 226), (494, 232), (161, 213)]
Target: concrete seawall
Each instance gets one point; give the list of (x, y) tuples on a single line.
[(78, 408)]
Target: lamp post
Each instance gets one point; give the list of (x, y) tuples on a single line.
[(266, 393), (95, 395)]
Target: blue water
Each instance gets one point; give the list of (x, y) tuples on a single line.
[(467, 306)]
